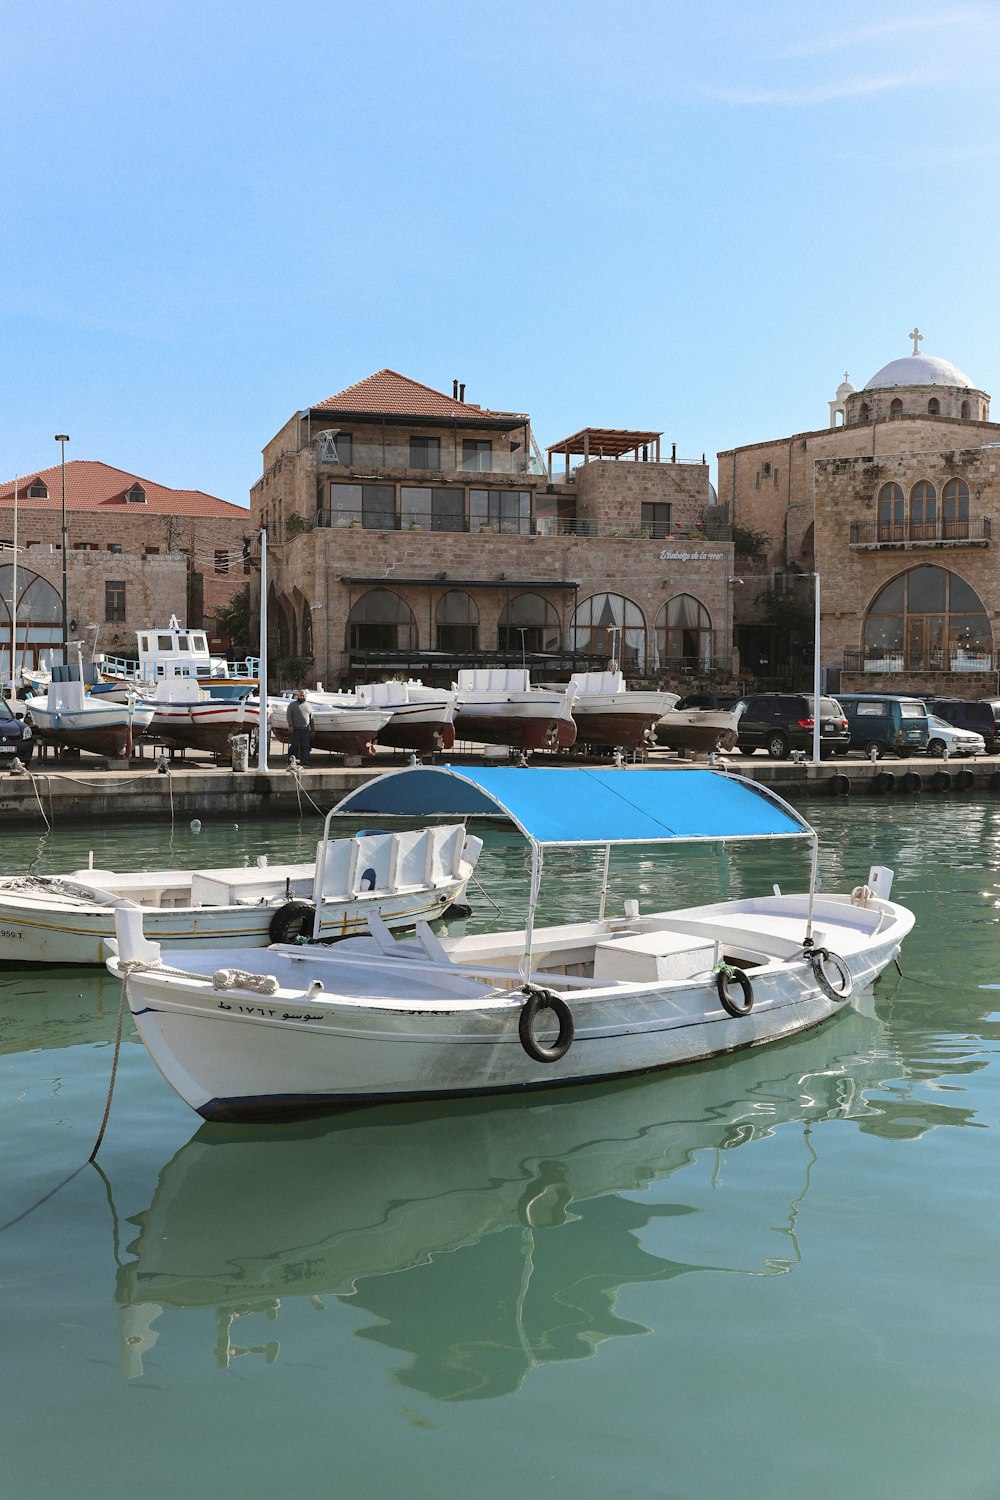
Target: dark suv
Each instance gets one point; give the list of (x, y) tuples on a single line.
[(15, 737), (782, 722), (981, 715)]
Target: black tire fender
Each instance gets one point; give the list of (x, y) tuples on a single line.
[(536, 1000), (885, 781), (823, 961), (289, 921), (941, 781), (839, 784), (722, 981), (912, 781), (965, 780)]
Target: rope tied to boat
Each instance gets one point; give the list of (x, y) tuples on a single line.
[(862, 895)]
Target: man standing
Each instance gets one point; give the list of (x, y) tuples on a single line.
[(300, 723)]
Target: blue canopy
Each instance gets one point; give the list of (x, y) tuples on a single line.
[(562, 805)]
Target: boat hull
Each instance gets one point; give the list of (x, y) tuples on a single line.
[(240, 1054), (521, 725), (103, 731), (697, 729), (615, 726)]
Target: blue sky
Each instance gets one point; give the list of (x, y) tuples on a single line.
[(686, 218)]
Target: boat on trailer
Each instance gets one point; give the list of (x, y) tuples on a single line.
[(300, 1031), (401, 877)]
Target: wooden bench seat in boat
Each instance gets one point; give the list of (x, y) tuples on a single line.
[(645, 957)]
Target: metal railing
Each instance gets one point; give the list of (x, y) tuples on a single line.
[(919, 533), (893, 662), (542, 526), (443, 460)]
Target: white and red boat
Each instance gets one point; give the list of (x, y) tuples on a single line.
[(423, 718), (340, 724), (499, 706), (607, 712), (68, 716), (699, 730)]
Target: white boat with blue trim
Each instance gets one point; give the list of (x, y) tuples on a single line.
[(298, 1031)]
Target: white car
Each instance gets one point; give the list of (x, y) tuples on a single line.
[(945, 737)]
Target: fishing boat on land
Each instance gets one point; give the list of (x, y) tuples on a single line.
[(70, 717), (499, 706), (347, 728), (175, 651), (401, 877), (422, 718), (299, 1031), (608, 712), (698, 730)]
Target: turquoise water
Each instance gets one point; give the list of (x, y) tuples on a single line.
[(771, 1276)]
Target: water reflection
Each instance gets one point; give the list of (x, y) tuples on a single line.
[(487, 1238)]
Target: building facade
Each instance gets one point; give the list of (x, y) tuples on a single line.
[(414, 532), (894, 507), (137, 553)]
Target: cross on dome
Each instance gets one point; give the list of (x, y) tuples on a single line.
[(917, 338)]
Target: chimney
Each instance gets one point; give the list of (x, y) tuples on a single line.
[(461, 392), (454, 390), (673, 453)]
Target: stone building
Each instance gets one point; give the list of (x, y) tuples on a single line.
[(893, 506), (137, 553), (410, 531)]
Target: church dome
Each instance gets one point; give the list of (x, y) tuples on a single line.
[(918, 369)]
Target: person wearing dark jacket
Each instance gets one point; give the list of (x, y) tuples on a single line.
[(300, 723)]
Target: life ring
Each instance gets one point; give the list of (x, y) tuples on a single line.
[(941, 781), (911, 782), (885, 781), (291, 921), (536, 1000), (965, 780), (734, 1007), (840, 784), (819, 958)]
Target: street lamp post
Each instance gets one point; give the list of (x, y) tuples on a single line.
[(817, 669), (262, 649), (62, 438)]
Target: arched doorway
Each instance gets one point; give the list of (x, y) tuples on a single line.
[(684, 635), (528, 623), (456, 622), (612, 626), (927, 619), (39, 621)]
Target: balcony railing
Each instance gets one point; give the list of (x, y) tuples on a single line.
[(544, 526), (919, 533), (369, 456), (957, 660)]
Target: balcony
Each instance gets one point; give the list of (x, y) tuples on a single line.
[(366, 458), (873, 536), (541, 526)]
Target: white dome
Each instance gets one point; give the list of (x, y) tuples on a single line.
[(918, 369)]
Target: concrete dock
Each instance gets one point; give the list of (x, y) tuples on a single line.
[(82, 789)]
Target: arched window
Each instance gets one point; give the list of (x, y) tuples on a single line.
[(895, 408), (956, 509), (864, 414), (966, 409), (934, 407), (684, 634), (612, 626), (531, 621), (926, 620), (39, 621), (456, 622), (381, 621), (923, 511), (891, 517)]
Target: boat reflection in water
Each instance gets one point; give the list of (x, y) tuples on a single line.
[(536, 1205)]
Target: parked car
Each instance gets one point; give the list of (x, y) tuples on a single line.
[(16, 740), (724, 701), (886, 723), (782, 722), (980, 715), (947, 737)]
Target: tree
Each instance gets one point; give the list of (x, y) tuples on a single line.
[(236, 622)]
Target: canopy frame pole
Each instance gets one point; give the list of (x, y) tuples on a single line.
[(813, 877), (604, 882), (537, 857)]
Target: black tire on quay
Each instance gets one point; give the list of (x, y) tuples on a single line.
[(821, 959), (941, 781), (734, 1007), (545, 1000), (995, 781), (291, 921), (885, 781), (965, 780), (911, 782), (839, 784)]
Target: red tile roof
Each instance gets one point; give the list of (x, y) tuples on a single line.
[(389, 393), (93, 486)]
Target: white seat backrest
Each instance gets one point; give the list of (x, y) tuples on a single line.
[(494, 679), (445, 852), (373, 869), (337, 867)]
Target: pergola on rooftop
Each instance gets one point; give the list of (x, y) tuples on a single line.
[(608, 442)]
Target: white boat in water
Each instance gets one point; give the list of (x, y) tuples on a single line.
[(301, 1031), (402, 877), (67, 715), (499, 706)]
